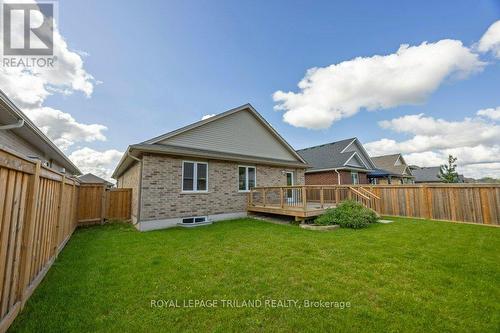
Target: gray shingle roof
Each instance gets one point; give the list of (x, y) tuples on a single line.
[(91, 178), (327, 156), (426, 174), (387, 162)]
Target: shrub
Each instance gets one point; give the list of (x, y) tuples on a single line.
[(349, 214)]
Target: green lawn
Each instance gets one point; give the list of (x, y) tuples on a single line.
[(410, 275)]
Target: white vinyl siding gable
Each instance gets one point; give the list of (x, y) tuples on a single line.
[(238, 133), (355, 161), (359, 152)]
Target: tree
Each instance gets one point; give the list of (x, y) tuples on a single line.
[(447, 173)]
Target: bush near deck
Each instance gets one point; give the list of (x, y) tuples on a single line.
[(348, 214)]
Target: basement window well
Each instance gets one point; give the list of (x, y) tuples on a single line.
[(191, 220), (194, 221)]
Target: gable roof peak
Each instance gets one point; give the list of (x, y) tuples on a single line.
[(244, 107)]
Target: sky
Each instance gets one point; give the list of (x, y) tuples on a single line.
[(421, 78)]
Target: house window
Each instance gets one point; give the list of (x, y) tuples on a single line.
[(354, 177), (246, 178), (194, 220), (194, 176)]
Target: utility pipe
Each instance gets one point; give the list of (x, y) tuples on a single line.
[(338, 176)]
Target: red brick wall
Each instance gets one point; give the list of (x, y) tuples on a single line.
[(330, 178), (322, 178), (363, 178)]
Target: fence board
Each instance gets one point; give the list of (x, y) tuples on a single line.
[(118, 203), (34, 201), (96, 203), (475, 203)]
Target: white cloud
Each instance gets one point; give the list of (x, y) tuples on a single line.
[(430, 133), (472, 140), (492, 113), (29, 87), (482, 170), (491, 40), (207, 116), (408, 76), (100, 163), (63, 129)]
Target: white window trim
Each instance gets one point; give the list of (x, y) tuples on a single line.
[(293, 176), (357, 177), (246, 177), (195, 178)]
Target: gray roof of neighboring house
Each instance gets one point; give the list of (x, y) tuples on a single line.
[(426, 174), (91, 178), (388, 163), (328, 156), (10, 113)]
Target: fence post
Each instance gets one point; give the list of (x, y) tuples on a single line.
[(74, 205), (59, 217), (103, 203), (28, 233), (427, 201), (321, 197), (304, 197)]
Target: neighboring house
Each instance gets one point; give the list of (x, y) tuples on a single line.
[(90, 178), (19, 134), (430, 174), (203, 172), (337, 163), (426, 174), (391, 169)]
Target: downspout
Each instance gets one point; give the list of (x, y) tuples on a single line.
[(139, 191), (338, 176), (20, 123)]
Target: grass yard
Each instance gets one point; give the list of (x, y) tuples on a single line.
[(410, 275)]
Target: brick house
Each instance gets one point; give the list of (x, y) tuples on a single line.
[(337, 163), (202, 172), (392, 169)]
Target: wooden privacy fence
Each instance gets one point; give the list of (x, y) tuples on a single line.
[(98, 204), (37, 216), (475, 203), (39, 210)]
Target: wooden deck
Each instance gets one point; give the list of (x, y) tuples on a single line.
[(304, 201), (311, 210)]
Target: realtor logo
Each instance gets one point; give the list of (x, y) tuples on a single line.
[(28, 29)]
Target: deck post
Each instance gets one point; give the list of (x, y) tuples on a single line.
[(337, 199), (250, 199), (321, 197), (304, 197), (281, 197), (264, 197)]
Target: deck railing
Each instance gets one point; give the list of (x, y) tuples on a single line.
[(299, 197)]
